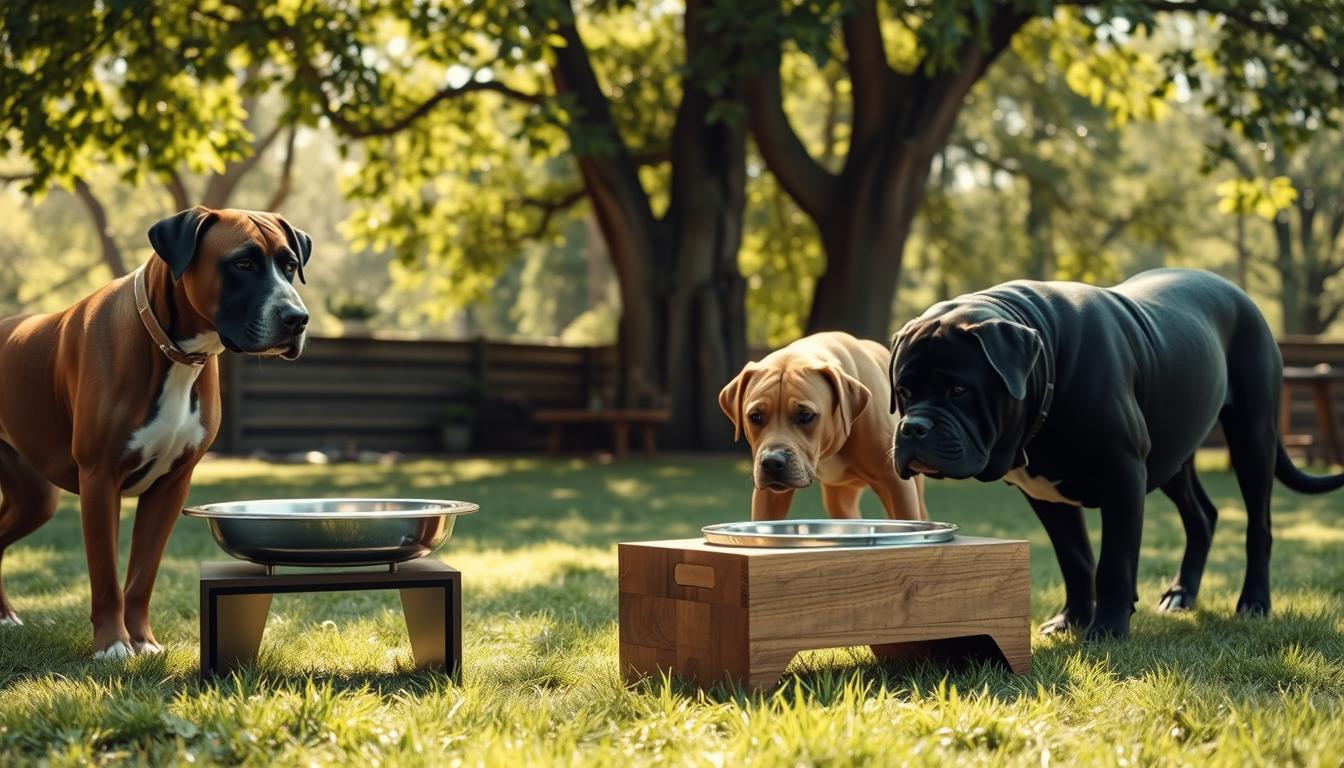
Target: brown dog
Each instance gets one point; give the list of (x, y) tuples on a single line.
[(804, 410), (119, 395)]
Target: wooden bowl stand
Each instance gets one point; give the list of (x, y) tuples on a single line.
[(715, 614)]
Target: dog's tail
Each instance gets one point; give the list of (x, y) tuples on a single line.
[(1300, 481)]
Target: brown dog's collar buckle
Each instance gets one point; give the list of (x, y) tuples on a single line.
[(178, 355)]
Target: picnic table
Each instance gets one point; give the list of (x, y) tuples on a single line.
[(620, 419), (1318, 379)]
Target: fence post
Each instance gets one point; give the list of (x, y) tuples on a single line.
[(231, 389), (590, 374), (481, 362)]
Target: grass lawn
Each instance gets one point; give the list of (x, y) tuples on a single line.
[(541, 683)]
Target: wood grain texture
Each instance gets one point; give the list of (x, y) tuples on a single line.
[(719, 614)]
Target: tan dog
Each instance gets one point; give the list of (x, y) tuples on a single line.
[(119, 395), (805, 412)]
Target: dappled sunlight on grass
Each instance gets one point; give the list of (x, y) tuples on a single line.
[(541, 681), (628, 488)]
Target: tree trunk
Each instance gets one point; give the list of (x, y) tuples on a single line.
[(1243, 255), (864, 239), (1316, 317), (1290, 282), (864, 249), (1039, 233), (98, 218), (623, 213), (706, 328), (901, 120), (682, 331)]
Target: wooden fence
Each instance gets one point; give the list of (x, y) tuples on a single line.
[(382, 394)]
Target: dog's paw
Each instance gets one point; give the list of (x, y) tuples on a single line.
[(10, 620), (1069, 619), (118, 650), (1101, 630), (1175, 599), (1059, 625), (1253, 606), (146, 646)]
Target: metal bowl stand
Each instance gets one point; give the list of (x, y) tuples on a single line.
[(236, 598)]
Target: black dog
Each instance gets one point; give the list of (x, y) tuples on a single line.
[(1093, 397)]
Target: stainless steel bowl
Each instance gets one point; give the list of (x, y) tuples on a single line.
[(331, 532), (829, 533)]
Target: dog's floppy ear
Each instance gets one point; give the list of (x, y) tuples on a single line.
[(730, 397), (898, 343), (851, 397), (299, 242), (1012, 349), (176, 238)]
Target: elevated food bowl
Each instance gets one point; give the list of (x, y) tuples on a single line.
[(331, 532), (829, 533)]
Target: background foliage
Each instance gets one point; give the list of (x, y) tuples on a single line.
[(1105, 140)]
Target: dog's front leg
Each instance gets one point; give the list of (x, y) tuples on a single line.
[(1067, 530), (769, 505), (1118, 568), (100, 511), (841, 501), (155, 515)]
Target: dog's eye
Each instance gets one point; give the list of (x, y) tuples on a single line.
[(290, 268), (806, 417), (243, 265), (956, 390), (755, 417), (903, 393)]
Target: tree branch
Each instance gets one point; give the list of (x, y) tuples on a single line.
[(807, 182), (1330, 316), (550, 207), (610, 174), (98, 216), (941, 95), (283, 185), (357, 129), (178, 189), (219, 189), (1246, 19), (1336, 224), (76, 274), (10, 178), (869, 73)]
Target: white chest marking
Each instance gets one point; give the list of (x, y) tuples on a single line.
[(1038, 487), (176, 426)]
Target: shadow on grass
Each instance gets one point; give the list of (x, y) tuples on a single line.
[(1249, 659), (591, 507)]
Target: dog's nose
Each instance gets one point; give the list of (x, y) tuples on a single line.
[(915, 427), (774, 461), (294, 318)]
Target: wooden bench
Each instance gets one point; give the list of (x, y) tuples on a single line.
[(1319, 380), (620, 419)]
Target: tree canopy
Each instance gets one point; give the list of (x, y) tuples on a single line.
[(477, 131)]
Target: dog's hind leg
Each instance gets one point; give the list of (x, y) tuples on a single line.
[(1199, 516), (1068, 534), (1252, 440), (28, 502)]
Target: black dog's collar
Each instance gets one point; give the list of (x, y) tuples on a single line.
[(1048, 397), (1043, 413)]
